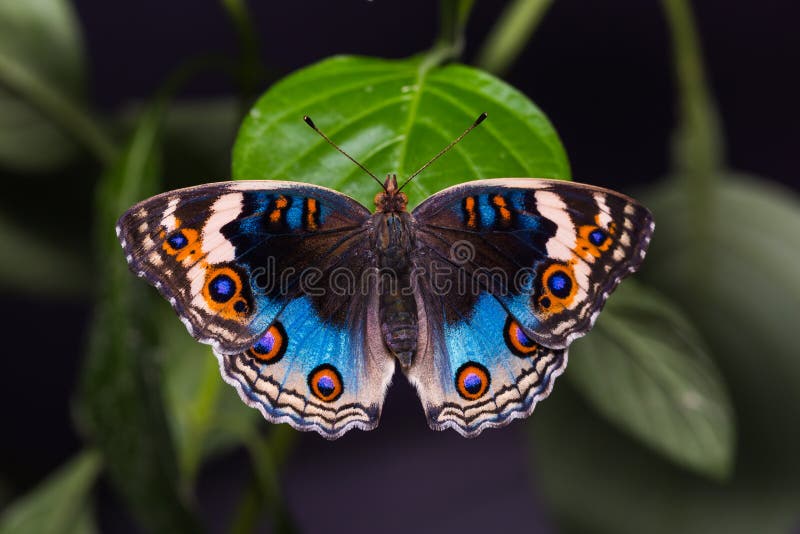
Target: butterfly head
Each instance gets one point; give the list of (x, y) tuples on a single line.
[(391, 199)]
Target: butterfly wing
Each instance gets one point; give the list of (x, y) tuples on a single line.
[(513, 271), (479, 371), (550, 251), (246, 266), (322, 377)]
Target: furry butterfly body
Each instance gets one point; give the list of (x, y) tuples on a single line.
[(308, 299)]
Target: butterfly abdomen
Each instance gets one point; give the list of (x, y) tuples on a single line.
[(398, 308)]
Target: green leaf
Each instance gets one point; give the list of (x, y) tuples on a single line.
[(42, 82), (594, 480), (28, 141), (31, 264), (121, 393), (645, 368), (205, 414), (59, 504), (744, 298), (266, 455), (393, 116), (198, 134)]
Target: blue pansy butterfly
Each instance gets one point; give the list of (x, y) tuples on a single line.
[(309, 299)]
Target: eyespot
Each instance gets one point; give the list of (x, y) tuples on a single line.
[(516, 339), (325, 383), (597, 237), (593, 241), (222, 288), (558, 288), (183, 243), (472, 381), (271, 347), (559, 284), (177, 240), (224, 293)]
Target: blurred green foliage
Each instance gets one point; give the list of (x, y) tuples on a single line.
[(693, 372)]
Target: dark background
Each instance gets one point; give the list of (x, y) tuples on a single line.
[(601, 72)]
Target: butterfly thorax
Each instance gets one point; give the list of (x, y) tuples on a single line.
[(393, 239), (391, 199)]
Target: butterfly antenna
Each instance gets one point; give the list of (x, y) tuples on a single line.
[(308, 121), (479, 120)]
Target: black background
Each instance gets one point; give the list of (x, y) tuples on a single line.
[(602, 73)]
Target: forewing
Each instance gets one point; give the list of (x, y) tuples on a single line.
[(549, 251)]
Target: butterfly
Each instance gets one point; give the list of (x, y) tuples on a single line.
[(310, 300)]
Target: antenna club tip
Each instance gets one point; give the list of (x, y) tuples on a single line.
[(308, 121), (481, 118)]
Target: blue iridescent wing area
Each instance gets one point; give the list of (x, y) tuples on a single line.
[(246, 266), (312, 374), (528, 257), (480, 371)]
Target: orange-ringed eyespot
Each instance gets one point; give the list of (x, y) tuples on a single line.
[(557, 289), (472, 380), (225, 294), (325, 383), (271, 346), (181, 243), (516, 339)]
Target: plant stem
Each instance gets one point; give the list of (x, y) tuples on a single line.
[(73, 120), (510, 34), (450, 43), (250, 72), (698, 139)]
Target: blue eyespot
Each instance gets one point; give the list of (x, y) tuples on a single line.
[(177, 241), (222, 288), (559, 284), (597, 237), (325, 385), (265, 344), (516, 339), (271, 346), (472, 383), (521, 337)]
